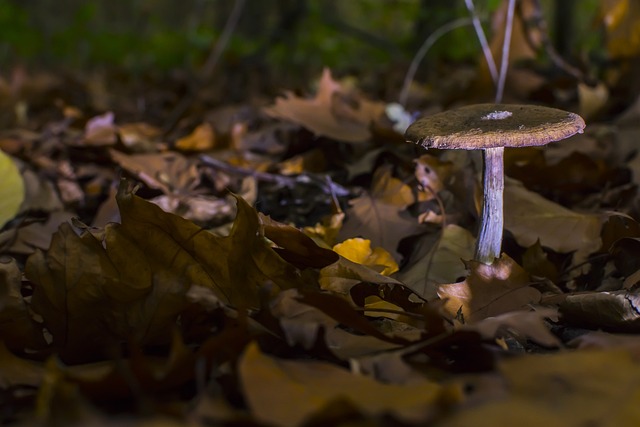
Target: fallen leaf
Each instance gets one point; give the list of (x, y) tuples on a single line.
[(568, 389), (305, 387), (170, 172), (100, 130), (328, 114), (605, 340), (617, 311), (380, 215), (17, 328), (438, 259), (296, 247), (530, 217), (528, 324), (343, 274), (16, 372), (359, 251), (11, 189), (489, 290), (92, 297), (139, 137), (202, 138)]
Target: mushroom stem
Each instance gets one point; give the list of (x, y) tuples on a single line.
[(489, 241)]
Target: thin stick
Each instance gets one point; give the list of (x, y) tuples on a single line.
[(417, 59), (486, 50), (506, 45), (223, 41)]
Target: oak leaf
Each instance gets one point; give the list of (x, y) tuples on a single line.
[(329, 113), (93, 295), (489, 290)]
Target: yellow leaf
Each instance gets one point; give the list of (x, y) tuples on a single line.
[(359, 250), (201, 139), (11, 189)]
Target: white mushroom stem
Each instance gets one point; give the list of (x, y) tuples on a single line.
[(489, 241)]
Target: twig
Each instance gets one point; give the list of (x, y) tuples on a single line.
[(419, 56), (486, 50), (506, 45), (223, 41), (325, 183)]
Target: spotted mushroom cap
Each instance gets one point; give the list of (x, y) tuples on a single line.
[(494, 125)]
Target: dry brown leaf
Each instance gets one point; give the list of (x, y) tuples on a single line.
[(614, 311), (342, 275), (139, 137), (568, 389), (438, 260), (295, 246), (17, 328), (380, 215), (169, 172), (94, 295), (101, 130), (305, 387), (530, 217), (528, 324), (328, 113), (489, 290)]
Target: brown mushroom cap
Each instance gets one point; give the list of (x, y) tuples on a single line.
[(494, 125)]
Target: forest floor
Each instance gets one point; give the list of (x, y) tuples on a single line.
[(293, 261)]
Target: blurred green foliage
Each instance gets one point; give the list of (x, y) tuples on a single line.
[(165, 34)]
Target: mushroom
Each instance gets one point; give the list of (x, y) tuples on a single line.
[(491, 127)]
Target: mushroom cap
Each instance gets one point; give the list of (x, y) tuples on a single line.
[(494, 125)]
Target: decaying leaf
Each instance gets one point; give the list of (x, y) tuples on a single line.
[(342, 275), (528, 324), (306, 387), (328, 114), (295, 246), (380, 214), (557, 390), (17, 328), (489, 290), (615, 311), (438, 259), (531, 217), (92, 296)]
